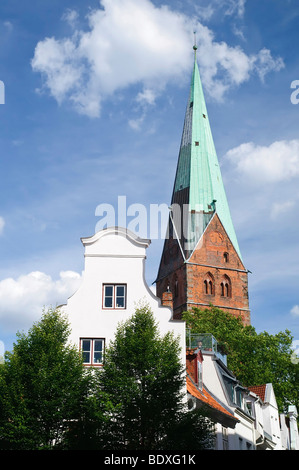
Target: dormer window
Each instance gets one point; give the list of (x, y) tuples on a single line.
[(114, 296)]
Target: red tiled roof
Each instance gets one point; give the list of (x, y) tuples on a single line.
[(259, 390), (206, 398)]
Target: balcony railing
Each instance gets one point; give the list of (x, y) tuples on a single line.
[(205, 342)]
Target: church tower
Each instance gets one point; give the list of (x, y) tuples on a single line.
[(201, 263)]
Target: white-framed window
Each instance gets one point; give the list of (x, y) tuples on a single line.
[(114, 296), (92, 350)]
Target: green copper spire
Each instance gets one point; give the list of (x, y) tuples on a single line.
[(198, 181)]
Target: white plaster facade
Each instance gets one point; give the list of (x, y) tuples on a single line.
[(259, 425), (273, 431), (267, 420), (289, 429), (115, 256), (242, 435), (293, 427)]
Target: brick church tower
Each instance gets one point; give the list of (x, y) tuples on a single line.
[(201, 262)]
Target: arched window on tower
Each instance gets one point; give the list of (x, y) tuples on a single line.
[(226, 288), (209, 284)]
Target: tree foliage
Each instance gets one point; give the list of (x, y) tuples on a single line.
[(255, 358), (42, 386), (49, 400), (144, 379)]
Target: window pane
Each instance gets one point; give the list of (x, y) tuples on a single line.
[(98, 345), (85, 346), (120, 296), (86, 357), (120, 290), (108, 303), (97, 358), (109, 291), (98, 351), (120, 302)]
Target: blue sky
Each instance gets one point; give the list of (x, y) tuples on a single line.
[(95, 97)]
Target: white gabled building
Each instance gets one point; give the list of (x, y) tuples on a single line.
[(219, 383), (274, 431), (113, 285), (248, 417), (289, 429)]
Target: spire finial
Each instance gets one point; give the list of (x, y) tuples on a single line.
[(195, 46)]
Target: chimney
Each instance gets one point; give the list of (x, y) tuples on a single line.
[(167, 299)]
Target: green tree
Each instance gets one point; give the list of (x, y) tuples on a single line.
[(43, 386), (143, 378), (254, 358)]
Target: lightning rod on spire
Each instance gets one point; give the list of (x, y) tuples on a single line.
[(195, 45)]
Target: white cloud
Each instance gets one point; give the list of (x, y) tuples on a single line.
[(226, 7), (8, 25), (264, 63), (234, 7), (128, 42), (279, 208), (23, 299), (277, 162), (224, 67), (295, 311), (2, 224), (205, 12), (71, 17), (136, 124), (146, 97), (133, 42), (59, 62)]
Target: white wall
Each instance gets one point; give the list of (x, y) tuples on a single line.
[(115, 255), (243, 432), (271, 417)]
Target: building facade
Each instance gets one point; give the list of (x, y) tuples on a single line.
[(274, 431), (245, 418), (112, 288)]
